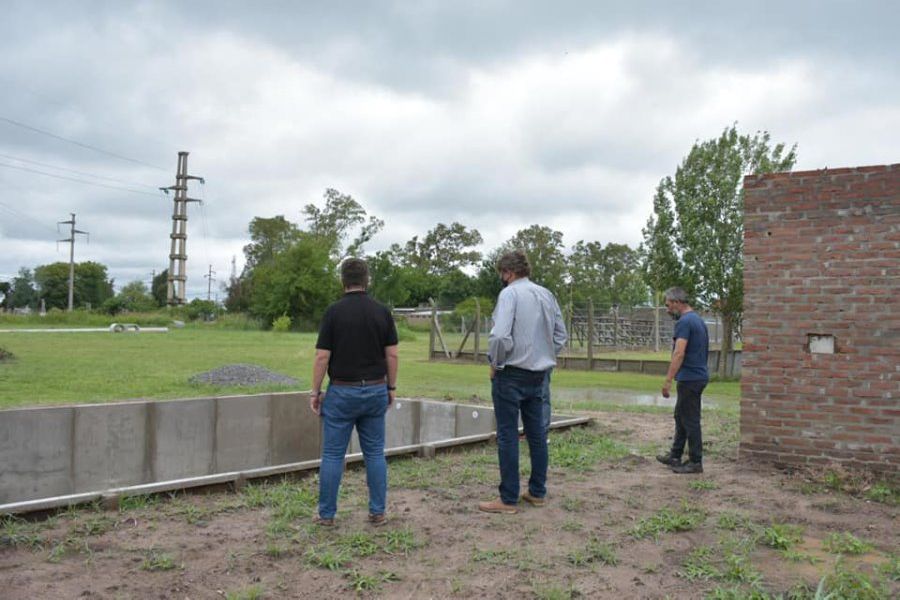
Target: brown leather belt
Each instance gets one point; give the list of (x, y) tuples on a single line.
[(381, 381)]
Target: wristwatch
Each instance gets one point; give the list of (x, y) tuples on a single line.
[(391, 388)]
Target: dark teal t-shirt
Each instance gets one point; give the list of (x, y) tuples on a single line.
[(692, 328)]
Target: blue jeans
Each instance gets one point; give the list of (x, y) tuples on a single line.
[(342, 408), (545, 396), (513, 391)]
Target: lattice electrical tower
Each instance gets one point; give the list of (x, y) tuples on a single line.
[(178, 255)]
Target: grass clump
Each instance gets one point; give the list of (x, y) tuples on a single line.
[(254, 592), (781, 536), (580, 449), (595, 551), (846, 543), (668, 520), (156, 560), (19, 533), (843, 583)]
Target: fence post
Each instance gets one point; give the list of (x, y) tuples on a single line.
[(477, 327), (431, 332), (590, 335), (569, 327), (616, 326), (656, 328)]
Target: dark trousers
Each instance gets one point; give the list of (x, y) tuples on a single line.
[(687, 420)]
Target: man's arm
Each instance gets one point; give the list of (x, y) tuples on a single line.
[(500, 340), (320, 367), (560, 336), (393, 361), (675, 365)]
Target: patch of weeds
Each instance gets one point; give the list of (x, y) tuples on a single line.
[(359, 544), (19, 533), (326, 557), (845, 583), (667, 520), (846, 543), (884, 493), (891, 568), (274, 550), (287, 499), (254, 592), (738, 593), (138, 502), (363, 582), (595, 551), (732, 521), (739, 570), (699, 565), (571, 525), (781, 536), (572, 504), (703, 484), (192, 514), (580, 449), (797, 556), (156, 560), (97, 525), (553, 591), (72, 543), (493, 557), (399, 541)]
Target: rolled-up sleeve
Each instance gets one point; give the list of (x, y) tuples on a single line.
[(500, 340)]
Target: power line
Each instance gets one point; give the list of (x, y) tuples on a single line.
[(22, 215), (43, 164), (84, 181), (77, 143)]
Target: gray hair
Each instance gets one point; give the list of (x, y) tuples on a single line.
[(676, 294)]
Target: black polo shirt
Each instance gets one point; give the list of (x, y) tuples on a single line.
[(356, 330)]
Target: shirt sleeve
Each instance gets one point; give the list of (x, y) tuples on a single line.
[(500, 341), (391, 339), (682, 330), (326, 333), (560, 336)]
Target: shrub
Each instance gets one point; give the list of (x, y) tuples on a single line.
[(282, 324)]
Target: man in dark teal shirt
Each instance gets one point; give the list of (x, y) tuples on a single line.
[(690, 349)]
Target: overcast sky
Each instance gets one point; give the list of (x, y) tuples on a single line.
[(495, 114)]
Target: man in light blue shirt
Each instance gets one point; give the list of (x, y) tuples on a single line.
[(528, 334)]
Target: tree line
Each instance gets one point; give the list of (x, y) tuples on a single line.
[(693, 239)]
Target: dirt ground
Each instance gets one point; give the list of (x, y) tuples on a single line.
[(605, 532)]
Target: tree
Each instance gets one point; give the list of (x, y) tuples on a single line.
[(443, 250), (5, 289), (298, 282), (136, 298), (609, 275), (22, 293), (698, 220), (92, 286), (334, 223), (159, 288), (268, 237)]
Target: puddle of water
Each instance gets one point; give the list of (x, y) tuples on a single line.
[(616, 397)]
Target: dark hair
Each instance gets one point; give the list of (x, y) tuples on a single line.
[(515, 262), (676, 294), (354, 273)]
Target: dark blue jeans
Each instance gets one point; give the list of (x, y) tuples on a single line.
[(546, 409), (342, 408), (516, 391), (687, 420)]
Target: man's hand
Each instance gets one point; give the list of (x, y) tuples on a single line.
[(493, 372), (315, 402), (392, 395), (666, 388)]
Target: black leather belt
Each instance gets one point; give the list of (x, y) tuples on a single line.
[(342, 382)]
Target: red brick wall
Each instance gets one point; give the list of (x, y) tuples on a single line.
[(822, 256)]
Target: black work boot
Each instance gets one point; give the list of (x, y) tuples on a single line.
[(669, 460), (687, 468)]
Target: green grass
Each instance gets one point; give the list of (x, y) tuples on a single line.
[(668, 520), (102, 367), (846, 543)]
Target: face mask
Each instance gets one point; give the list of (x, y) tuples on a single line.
[(503, 281)]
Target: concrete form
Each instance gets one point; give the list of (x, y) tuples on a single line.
[(57, 456)]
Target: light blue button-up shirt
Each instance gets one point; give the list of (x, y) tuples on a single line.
[(528, 330)]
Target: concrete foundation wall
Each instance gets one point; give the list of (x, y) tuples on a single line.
[(59, 451)]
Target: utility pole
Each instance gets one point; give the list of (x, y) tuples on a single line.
[(210, 278), (178, 255), (71, 241)]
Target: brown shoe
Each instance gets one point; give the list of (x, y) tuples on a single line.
[(532, 500), (377, 520), (323, 522), (497, 506)]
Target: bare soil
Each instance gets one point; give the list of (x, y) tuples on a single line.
[(438, 545)]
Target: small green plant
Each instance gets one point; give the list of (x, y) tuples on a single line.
[(282, 324), (781, 536), (699, 565), (572, 504), (156, 560), (274, 550), (891, 568), (359, 544), (797, 556), (738, 593), (732, 521), (703, 484), (19, 533), (327, 558), (739, 570), (884, 493), (846, 543), (137, 502), (595, 551), (571, 525), (362, 582), (667, 520), (97, 525), (553, 591), (399, 541), (845, 583), (254, 592)]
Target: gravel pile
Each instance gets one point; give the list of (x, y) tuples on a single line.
[(244, 375)]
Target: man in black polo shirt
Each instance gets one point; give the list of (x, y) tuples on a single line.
[(357, 346)]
